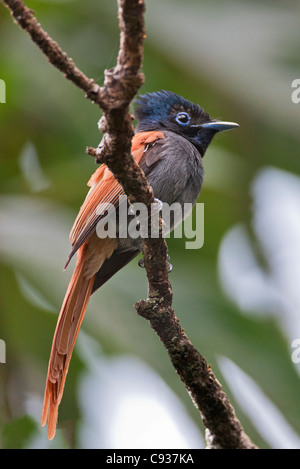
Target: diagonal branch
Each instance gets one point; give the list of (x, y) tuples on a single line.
[(120, 86), (56, 56), (205, 390)]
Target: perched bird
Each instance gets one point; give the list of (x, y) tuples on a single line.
[(171, 138)]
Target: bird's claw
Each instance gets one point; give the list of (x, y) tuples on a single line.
[(159, 203), (141, 263)]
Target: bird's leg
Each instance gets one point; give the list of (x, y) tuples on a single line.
[(141, 262)]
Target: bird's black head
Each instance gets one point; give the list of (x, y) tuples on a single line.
[(164, 110)]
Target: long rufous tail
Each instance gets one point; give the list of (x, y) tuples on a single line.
[(68, 325)]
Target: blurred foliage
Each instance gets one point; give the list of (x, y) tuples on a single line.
[(47, 118)]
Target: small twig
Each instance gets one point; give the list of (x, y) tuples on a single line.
[(120, 86)]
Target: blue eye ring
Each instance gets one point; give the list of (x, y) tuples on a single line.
[(183, 118)]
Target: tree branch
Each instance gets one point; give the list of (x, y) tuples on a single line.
[(26, 19), (120, 86)]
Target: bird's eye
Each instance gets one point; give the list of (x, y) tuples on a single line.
[(183, 118)]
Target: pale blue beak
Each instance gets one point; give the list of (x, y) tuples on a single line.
[(219, 126)]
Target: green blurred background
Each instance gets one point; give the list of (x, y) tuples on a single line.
[(238, 298)]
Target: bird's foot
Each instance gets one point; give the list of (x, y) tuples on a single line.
[(141, 264), (159, 203)]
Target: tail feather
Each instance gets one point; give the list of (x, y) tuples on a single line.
[(68, 325)]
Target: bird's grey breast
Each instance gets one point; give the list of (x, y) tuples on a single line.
[(178, 175)]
